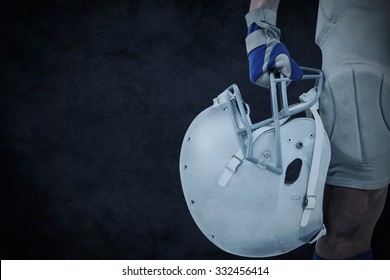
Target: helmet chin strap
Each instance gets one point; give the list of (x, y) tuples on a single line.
[(315, 162), (237, 159)]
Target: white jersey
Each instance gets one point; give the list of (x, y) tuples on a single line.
[(354, 31), (354, 39)]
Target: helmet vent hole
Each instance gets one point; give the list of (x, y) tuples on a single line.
[(185, 167), (292, 172), (299, 145), (192, 202), (188, 139)]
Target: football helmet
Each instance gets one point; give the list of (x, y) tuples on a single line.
[(256, 189)]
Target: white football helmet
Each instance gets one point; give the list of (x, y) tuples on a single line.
[(256, 190)]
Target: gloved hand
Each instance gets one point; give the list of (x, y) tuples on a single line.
[(265, 52)]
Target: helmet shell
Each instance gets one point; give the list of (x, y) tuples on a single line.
[(258, 212)]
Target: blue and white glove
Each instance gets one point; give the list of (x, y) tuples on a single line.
[(265, 52)]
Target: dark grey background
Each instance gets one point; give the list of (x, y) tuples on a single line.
[(95, 99)]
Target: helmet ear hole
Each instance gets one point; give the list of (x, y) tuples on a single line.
[(292, 172)]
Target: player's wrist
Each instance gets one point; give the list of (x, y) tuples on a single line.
[(261, 16)]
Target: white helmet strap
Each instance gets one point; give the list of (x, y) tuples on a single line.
[(315, 167)]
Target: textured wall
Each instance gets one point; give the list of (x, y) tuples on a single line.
[(95, 99)]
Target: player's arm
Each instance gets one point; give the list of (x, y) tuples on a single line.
[(265, 51), (269, 4)]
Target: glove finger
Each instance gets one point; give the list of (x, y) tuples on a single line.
[(281, 61), (264, 80), (256, 61), (296, 71), (282, 64)]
